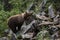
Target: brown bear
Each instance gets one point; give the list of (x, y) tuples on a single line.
[(15, 22)]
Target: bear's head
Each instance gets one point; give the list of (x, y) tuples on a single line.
[(27, 14)]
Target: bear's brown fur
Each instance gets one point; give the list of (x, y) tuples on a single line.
[(17, 21)]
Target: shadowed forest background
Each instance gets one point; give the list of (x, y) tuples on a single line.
[(12, 7)]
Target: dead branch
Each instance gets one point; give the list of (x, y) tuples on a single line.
[(58, 25), (46, 23), (42, 17)]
